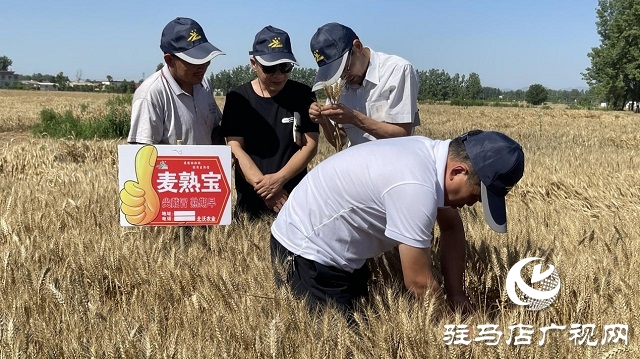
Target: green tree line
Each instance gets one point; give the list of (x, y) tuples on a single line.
[(62, 81), (434, 85), (225, 80), (614, 74)]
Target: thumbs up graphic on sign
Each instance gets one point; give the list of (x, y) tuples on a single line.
[(140, 202)]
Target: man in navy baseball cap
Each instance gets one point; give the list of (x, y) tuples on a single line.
[(330, 46), (499, 162), (266, 123), (185, 38), (385, 195), (374, 95), (272, 46), (176, 104)]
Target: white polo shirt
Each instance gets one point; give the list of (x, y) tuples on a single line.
[(162, 113), (389, 93), (365, 200)]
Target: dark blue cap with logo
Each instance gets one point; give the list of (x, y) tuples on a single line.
[(272, 46), (499, 162), (185, 38), (330, 46)]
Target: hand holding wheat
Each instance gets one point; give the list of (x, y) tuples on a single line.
[(333, 92)]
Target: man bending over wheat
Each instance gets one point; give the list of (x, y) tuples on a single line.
[(390, 193)]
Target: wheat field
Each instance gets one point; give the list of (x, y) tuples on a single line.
[(76, 284)]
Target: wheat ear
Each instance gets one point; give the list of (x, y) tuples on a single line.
[(333, 92)]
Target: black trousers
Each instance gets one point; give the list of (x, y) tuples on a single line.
[(320, 284)]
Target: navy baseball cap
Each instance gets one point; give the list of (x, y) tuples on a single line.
[(499, 162), (330, 46), (185, 38), (272, 46)]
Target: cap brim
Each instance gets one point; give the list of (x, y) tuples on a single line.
[(330, 73), (276, 58), (200, 54), (494, 209)]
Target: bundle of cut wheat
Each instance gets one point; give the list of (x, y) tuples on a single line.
[(333, 92)]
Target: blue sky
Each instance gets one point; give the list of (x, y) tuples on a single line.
[(511, 44)]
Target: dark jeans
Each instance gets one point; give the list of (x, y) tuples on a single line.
[(320, 284)]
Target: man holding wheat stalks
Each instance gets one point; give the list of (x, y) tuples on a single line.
[(372, 95), (389, 193)]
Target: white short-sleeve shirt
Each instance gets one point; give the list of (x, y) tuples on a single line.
[(389, 93), (365, 200), (162, 113)]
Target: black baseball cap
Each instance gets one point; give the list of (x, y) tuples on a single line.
[(499, 162), (272, 46), (185, 38), (330, 46)]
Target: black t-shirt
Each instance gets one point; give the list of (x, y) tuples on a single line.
[(266, 124)]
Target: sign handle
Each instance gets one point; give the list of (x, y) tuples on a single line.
[(181, 229)]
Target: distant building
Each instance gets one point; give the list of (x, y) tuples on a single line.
[(81, 83), (111, 83), (85, 85), (29, 84), (48, 86), (42, 86), (632, 106), (7, 79)]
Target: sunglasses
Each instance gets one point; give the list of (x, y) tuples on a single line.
[(284, 68)]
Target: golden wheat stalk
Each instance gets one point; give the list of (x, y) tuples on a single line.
[(333, 92), (338, 137)]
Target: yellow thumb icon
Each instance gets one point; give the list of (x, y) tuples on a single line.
[(140, 202)]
